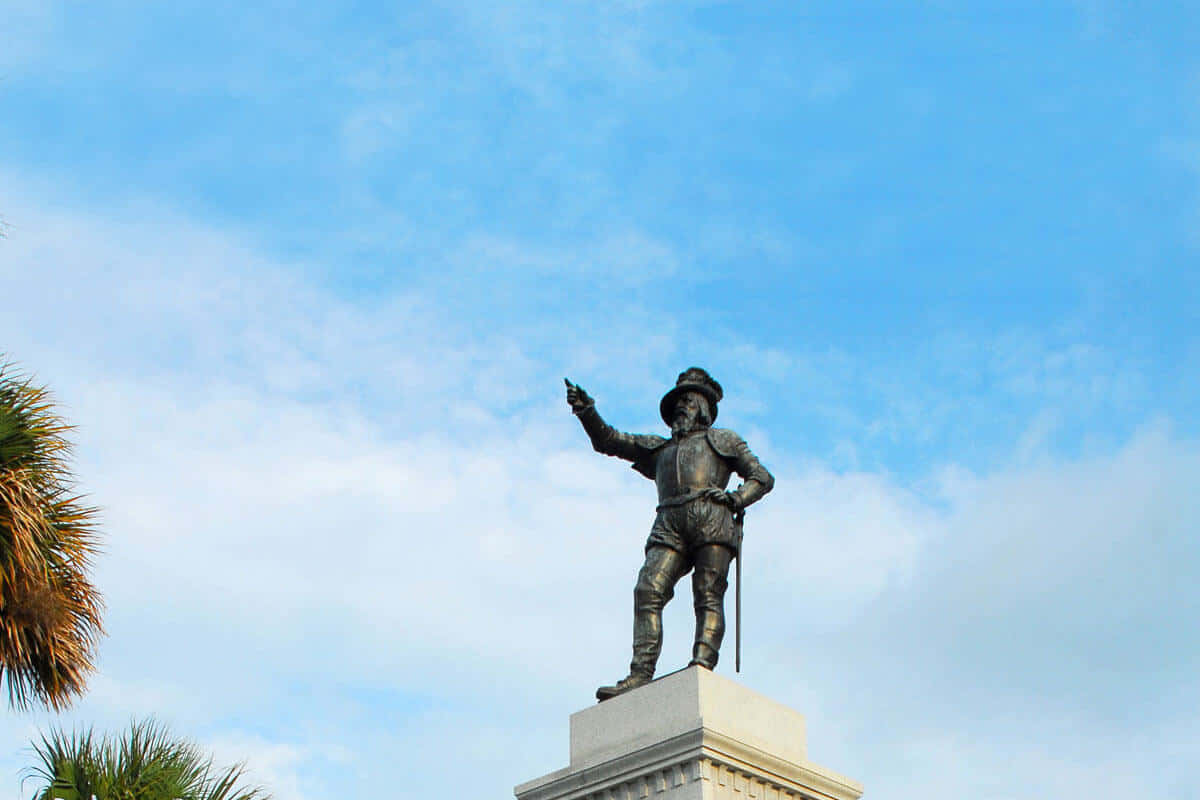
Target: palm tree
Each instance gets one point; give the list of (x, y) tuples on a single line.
[(144, 763), (49, 609)]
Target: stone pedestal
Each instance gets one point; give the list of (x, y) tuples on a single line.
[(691, 735)]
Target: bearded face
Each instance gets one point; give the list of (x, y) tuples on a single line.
[(691, 413)]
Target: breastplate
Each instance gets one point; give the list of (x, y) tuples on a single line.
[(687, 464)]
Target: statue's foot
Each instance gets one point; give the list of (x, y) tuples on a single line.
[(622, 686), (704, 654)]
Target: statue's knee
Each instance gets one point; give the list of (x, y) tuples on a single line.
[(708, 588), (647, 595), (709, 580), (651, 591)]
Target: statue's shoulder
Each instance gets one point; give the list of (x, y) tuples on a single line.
[(649, 441), (725, 441), (649, 444)]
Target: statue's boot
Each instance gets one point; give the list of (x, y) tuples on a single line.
[(708, 590), (647, 642), (703, 655), (624, 685), (655, 586)]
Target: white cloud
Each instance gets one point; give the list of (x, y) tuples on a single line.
[(284, 769), (350, 540)]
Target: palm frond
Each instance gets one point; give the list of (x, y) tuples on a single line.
[(50, 613), (68, 766), (144, 762)]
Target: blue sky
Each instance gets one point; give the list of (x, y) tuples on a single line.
[(307, 277)]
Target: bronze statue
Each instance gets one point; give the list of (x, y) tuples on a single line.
[(698, 526)]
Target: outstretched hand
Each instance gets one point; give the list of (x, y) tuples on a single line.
[(577, 397)]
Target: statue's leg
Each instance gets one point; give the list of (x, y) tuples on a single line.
[(709, 582), (655, 586)]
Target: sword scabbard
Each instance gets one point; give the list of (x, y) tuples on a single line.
[(737, 595)]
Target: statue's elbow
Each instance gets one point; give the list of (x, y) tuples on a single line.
[(602, 443), (768, 482)]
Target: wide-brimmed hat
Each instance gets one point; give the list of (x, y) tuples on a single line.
[(692, 379)]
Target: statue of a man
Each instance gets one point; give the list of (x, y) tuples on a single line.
[(695, 528)]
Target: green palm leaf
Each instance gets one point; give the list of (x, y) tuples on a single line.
[(145, 762)]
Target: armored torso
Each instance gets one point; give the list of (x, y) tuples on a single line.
[(687, 464)]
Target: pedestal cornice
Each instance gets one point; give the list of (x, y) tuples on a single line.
[(702, 763)]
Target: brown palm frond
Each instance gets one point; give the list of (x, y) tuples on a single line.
[(50, 613)]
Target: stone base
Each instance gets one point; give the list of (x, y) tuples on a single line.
[(691, 735)]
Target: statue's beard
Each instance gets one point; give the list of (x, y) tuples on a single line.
[(685, 422)]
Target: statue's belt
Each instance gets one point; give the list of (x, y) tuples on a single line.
[(682, 499)]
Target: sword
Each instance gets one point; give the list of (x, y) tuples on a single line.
[(738, 519)]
